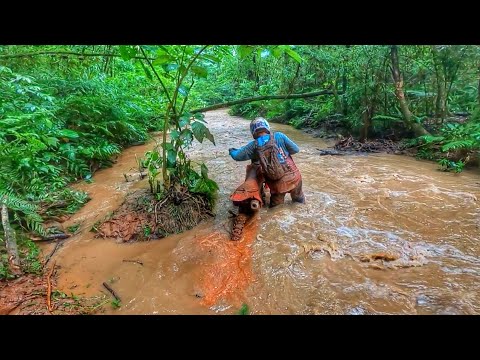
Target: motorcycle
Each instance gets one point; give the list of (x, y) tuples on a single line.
[(249, 197)]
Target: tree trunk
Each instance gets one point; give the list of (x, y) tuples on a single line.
[(338, 103), (427, 110), (11, 242), (255, 73), (370, 106), (417, 128), (344, 85), (478, 85), (292, 83), (367, 121), (441, 99)]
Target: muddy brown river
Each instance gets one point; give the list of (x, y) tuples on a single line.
[(379, 234)]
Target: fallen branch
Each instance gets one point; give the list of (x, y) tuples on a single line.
[(111, 291), (57, 245), (49, 289), (265, 97), (50, 237), (134, 261)]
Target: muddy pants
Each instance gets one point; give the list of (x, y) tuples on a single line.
[(296, 194)]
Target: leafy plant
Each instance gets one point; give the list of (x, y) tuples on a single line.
[(73, 229), (244, 310), (116, 303)]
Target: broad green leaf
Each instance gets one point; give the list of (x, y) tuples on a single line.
[(174, 134), (182, 69), (147, 71), (163, 59), (277, 52), (48, 124), (171, 157), (200, 71), (124, 52), (183, 90), (294, 55), (164, 48), (70, 134), (127, 52), (186, 136), (154, 156), (184, 120), (51, 141), (245, 50), (200, 117), (200, 131)]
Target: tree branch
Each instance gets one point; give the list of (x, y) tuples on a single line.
[(156, 74), (64, 53), (265, 97)]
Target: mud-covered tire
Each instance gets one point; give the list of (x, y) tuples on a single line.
[(238, 225)]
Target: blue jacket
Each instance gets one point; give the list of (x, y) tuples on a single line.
[(287, 147)]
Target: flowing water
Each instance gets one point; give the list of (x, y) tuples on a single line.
[(379, 234)]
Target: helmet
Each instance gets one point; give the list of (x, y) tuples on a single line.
[(259, 123)]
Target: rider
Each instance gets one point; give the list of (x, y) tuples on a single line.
[(274, 152)]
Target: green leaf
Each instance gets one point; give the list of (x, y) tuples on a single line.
[(183, 90), (277, 52), (244, 310), (171, 67), (294, 55), (182, 69), (162, 50), (200, 117), (210, 58), (154, 156), (70, 134), (171, 157), (199, 71), (457, 145), (163, 59), (51, 141), (200, 131), (147, 71), (186, 136), (245, 50), (184, 120), (419, 93), (174, 134), (204, 171), (127, 52), (431, 139)]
